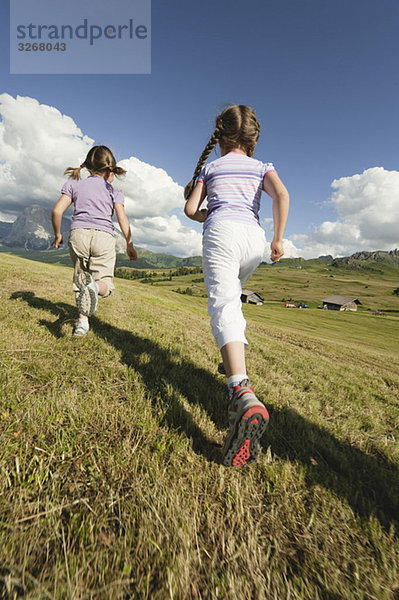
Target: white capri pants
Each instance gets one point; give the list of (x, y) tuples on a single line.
[(231, 253)]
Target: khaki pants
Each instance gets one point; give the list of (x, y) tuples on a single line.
[(93, 250)]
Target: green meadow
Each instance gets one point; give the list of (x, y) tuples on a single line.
[(111, 485)]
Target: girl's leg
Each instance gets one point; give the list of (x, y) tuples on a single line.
[(79, 250), (102, 262), (233, 356), (221, 266), (94, 280), (231, 255)]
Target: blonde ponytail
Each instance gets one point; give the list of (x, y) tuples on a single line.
[(118, 171), (73, 172)]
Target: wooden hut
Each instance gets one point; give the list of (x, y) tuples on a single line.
[(341, 303), (251, 297)]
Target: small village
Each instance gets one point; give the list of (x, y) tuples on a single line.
[(334, 302)]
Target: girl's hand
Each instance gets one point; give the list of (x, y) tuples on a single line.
[(57, 241), (277, 250), (131, 251)]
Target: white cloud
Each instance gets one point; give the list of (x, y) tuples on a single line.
[(149, 191), (290, 250), (367, 205), (166, 234), (37, 142)]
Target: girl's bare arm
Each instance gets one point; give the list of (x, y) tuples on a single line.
[(56, 217), (274, 187), (125, 228), (192, 207)]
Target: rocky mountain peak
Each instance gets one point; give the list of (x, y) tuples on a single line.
[(32, 229)]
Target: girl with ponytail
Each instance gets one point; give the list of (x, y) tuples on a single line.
[(233, 246), (91, 239)]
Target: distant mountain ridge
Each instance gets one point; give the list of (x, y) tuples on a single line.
[(32, 230), (369, 261), (391, 256), (145, 258), (31, 235)]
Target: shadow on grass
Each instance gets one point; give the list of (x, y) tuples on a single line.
[(165, 373), (370, 484)]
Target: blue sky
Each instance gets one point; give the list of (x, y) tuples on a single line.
[(322, 77)]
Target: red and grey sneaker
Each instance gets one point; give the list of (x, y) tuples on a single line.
[(248, 419)]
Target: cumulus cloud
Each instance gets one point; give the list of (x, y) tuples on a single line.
[(37, 142), (166, 234), (149, 191), (367, 206), (290, 250)]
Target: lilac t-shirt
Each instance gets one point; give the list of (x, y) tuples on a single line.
[(94, 200), (234, 185)]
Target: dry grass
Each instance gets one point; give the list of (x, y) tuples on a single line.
[(111, 485)]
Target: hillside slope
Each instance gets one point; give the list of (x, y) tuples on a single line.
[(111, 483)]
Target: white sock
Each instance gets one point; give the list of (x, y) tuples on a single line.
[(235, 380), (83, 322)]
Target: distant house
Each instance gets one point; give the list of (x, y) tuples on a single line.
[(341, 303), (251, 297)]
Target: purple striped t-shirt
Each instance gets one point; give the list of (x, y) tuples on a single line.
[(234, 186), (94, 199)]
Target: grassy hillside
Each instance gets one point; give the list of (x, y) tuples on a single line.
[(310, 283), (111, 484)]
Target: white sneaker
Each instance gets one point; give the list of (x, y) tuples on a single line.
[(80, 330), (87, 298)]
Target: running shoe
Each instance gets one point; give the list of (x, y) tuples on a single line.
[(87, 297), (248, 419), (80, 331)]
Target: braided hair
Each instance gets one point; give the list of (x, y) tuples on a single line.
[(202, 160), (237, 126), (98, 160)]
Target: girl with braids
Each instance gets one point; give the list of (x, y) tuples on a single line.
[(233, 246), (91, 239)]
